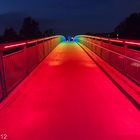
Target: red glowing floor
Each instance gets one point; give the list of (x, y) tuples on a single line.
[(67, 97)]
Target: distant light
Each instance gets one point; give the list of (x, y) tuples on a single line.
[(117, 36)]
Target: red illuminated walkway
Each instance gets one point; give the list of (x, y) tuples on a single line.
[(68, 97)]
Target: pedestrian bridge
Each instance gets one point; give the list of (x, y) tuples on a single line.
[(85, 89)]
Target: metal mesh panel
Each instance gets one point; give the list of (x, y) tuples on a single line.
[(31, 57), (133, 70), (98, 51), (14, 68), (117, 61), (1, 95), (46, 47), (106, 55), (133, 65), (41, 53), (117, 49), (51, 44)]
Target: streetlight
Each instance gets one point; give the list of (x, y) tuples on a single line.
[(117, 36)]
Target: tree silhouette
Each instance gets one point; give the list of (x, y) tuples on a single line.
[(30, 29), (10, 35), (49, 32), (130, 27)]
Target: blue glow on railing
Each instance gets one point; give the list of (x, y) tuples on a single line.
[(76, 39)]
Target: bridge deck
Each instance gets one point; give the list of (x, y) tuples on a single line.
[(68, 97)]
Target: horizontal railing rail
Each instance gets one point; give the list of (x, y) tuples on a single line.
[(18, 59)]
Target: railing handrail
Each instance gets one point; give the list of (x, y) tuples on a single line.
[(5, 46), (123, 41)]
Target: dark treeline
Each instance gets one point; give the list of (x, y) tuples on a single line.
[(129, 28), (29, 30)]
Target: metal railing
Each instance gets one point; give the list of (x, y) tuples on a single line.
[(17, 60), (123, 55)]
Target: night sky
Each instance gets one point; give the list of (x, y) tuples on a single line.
[(68, 17)]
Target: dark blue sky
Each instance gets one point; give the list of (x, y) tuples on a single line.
[(68, 17)]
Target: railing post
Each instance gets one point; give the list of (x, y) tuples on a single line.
[(25, 58), (2, 75), (125, 54), (110, 43), (44, 55)]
